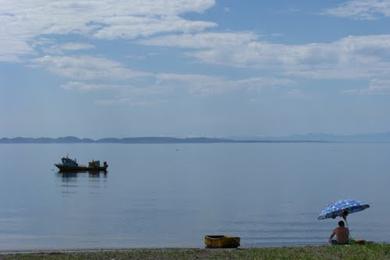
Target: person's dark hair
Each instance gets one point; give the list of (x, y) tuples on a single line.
[(341, 223)]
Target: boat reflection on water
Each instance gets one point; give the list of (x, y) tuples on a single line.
[(75, 175), (97, 174), (71, 183)]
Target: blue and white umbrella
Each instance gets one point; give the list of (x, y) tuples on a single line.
[(338, 208)]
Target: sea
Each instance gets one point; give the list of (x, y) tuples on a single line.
[(172, 195)]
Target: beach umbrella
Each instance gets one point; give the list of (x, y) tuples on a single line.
[(342, 208)]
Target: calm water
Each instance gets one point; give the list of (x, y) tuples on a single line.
[(172, 195)]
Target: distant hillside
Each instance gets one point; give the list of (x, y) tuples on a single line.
[(376, 137), (379, 137), (46, 140), (135, 140), (128, 140), (162, 140)]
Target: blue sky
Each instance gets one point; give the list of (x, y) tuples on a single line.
[(101, 68)]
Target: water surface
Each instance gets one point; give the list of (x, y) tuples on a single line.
[(172, 195)]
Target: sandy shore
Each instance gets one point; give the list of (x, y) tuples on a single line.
[(372, 251)]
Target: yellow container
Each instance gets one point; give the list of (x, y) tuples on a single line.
[(220, 241)]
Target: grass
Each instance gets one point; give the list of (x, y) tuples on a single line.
[(371, 251)]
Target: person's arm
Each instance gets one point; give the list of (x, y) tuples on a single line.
[(332, 235)]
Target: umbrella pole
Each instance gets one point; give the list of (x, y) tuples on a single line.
[(349, 230), (344, 216)]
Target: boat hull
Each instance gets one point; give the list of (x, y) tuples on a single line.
[(220, 241), (81, 168)]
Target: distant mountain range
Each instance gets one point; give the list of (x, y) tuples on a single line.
[(135, 140), (378, 137), (374, 137)]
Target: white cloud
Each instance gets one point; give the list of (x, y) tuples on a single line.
[(349, 57), (87, 68), (75, 46), (87, 87), (205, 40), (12, 49), (89, 73), (60, 49), (130, 27), (375, 87), (26, 23), (209, 85), (192, 83), (128, 101), (23, 21), (296, 94), (361, 9)]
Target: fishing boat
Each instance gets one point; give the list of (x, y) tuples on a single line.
[(220, 241), (71, 165)]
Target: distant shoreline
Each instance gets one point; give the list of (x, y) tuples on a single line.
[(143, 140), (369, 251), (305, 138)]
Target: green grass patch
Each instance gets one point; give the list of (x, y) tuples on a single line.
[(370, 251)]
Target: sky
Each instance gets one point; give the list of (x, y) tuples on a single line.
[(217, 68)]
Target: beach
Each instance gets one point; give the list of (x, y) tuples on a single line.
[(370, 251)]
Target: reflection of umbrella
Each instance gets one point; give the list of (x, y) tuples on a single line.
[(342, 208)]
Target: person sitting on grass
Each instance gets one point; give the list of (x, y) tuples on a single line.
[(341, 233)]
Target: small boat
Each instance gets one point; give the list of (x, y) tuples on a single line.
[(71, 165), (220, 241)]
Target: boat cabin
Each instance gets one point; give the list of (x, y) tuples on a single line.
[(67, 162)]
